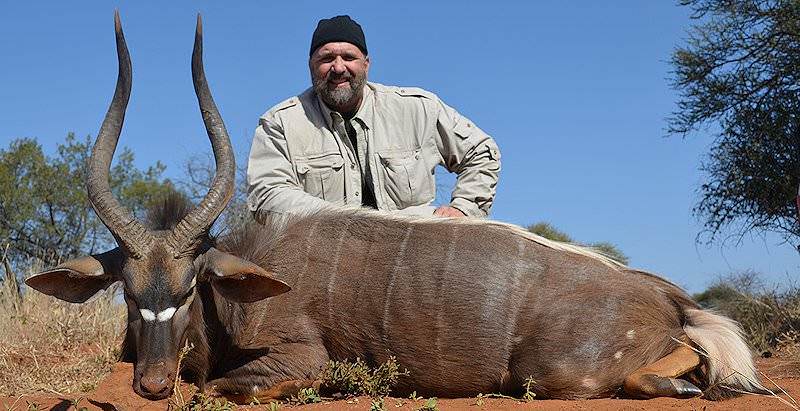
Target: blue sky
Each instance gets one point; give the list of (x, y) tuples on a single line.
[(576, 96)]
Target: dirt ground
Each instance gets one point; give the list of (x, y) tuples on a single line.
[(115, 393)]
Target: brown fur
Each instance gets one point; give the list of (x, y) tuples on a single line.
[(466, 307)]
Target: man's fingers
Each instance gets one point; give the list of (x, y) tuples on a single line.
[(447, 211)]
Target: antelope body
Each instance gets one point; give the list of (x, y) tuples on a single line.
[(467, 306)]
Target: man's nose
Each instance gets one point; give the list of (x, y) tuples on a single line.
[(338, 66)]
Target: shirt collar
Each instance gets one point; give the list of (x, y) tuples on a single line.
[(365, 112)]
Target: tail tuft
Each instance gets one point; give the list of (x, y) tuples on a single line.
[(729, 362)]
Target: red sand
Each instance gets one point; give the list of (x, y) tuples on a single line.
[(115, 393)]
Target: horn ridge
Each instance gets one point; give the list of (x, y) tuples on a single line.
[(187, 234), (129, 233)]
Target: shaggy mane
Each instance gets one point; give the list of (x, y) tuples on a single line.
[(167, 212), (258, 240)]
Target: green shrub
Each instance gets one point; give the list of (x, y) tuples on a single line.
[(357, 378)]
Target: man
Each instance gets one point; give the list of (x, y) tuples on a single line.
[(347, 141)]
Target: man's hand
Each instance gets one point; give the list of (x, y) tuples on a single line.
[(447, 211)]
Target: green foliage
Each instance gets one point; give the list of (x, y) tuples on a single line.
[(611, 251), (306, 396), (202, 402), (377, 404), (769, 318), (44, 210), (738, 72), (529, 395), (430, 405), (550, 232), (357, 378)]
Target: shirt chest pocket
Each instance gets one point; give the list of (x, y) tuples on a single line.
[(322, 176), (406, 177)]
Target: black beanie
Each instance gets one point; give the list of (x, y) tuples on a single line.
[(339, 28)]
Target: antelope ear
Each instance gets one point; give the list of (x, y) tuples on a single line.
[(239, 280), (79, 279)]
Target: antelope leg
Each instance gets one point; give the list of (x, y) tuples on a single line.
[(659, 378), (280, 390)]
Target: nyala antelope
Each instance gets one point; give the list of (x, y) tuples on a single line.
[(468, 306)]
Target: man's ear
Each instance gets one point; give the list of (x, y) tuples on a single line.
[(239, 280), (79, 279)]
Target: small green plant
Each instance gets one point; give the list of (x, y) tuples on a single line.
[(202, 402), (414, 397), (357, 378), (479, 399), (274, 406), (34, 406), (75, 403), (430, 405), (88, 386), (177, 401), (377, 405), (529, 395), (306, 396)]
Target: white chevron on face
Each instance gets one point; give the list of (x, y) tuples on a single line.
[(166, 315), (150, 316)]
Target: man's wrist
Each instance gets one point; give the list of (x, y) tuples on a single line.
[(467, 207)]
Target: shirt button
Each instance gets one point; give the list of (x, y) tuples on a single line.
[(353, 166), (357, 194)]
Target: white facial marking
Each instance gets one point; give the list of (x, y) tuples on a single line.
[(630, 334), (166, 315), (618, 355), (150, 316), (147, 315)]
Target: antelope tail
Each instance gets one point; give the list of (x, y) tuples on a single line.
[(729, 367)]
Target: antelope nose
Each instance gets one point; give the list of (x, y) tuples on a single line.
[(155, 384)]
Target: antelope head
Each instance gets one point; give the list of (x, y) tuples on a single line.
[(159, 269)]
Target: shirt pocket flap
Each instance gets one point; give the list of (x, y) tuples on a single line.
[(389, 158), (320, 164), (464, 129)]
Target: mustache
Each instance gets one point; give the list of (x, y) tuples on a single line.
[(334, 76)]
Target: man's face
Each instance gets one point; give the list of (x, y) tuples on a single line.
[(338, 73)]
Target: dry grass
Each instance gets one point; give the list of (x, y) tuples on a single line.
[(47, 345), (769, 317)]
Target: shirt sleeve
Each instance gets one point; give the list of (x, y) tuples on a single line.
[(474, 156), (273, 185)]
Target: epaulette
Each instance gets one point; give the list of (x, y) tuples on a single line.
[(289, 102), (414, 92)]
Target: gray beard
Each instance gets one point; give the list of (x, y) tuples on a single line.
[(338, 98)]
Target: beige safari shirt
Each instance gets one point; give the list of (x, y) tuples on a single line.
[(301, 155)]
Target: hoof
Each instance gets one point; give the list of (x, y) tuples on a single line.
[(685, 389)]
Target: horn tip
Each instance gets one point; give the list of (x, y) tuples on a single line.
[(117, 22), (199, 24)]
